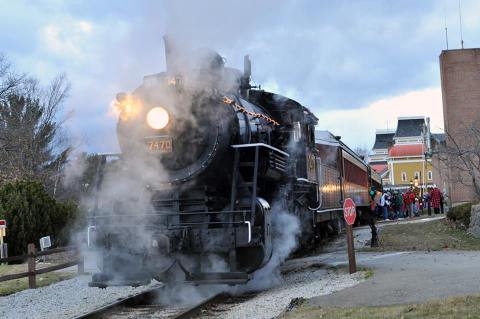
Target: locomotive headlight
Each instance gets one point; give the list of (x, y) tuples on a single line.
[(157, 118), (126, 106)]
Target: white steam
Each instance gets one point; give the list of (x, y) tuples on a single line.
[(285, 231)]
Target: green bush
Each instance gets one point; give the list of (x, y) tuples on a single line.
[(31, 213), (460, 214)]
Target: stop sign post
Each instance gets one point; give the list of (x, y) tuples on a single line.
[(3, 227), (350, 213)]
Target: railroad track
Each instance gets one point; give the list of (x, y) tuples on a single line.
[(140, 298), (216, 307), (146, 305)]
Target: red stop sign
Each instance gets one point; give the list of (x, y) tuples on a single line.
[(349, 211)]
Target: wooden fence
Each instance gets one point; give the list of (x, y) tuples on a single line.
[(32, 254)]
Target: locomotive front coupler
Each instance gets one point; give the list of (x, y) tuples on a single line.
[(214, 278)]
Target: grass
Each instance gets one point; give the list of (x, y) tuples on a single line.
[(368, 272), (455, 307), (434, 235), (16, 285)]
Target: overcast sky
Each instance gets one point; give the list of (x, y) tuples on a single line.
[(357, 65)]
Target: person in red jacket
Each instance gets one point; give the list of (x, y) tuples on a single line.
[(435, 198), (409, 202)]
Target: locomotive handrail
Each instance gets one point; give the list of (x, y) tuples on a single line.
[(262, 145), (249, 231), (301, 179), (171, 226), (89, 230), (329, 210), (209, 223), (172, 214)]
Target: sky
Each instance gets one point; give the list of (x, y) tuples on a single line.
[(357, 65)]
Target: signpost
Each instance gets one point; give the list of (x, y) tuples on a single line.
[(350, 213), (3, 227), (45, 243)]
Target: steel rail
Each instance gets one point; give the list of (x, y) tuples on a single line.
[(135, 299), (196, 310)]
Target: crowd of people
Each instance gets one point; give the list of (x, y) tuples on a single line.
[(392, 205)]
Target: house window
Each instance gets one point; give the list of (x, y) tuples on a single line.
[(404, 176), (417, 175), (430, 175)]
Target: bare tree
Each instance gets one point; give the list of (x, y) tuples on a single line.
[(461, 154), (9, 81), (31, 144), (361, 151)]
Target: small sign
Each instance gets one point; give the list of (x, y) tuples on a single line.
[(45, 242), (3, 223), (349, 211)]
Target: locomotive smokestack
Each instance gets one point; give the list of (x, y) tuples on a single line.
[(245, 79), (169, 53), (247, 67)]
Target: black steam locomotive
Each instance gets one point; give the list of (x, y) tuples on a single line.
[(223, 159)]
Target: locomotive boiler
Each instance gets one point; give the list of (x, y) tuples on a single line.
[(218, 160)]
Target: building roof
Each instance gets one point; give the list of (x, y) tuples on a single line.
[(379, 168), (326, 138), (410, 126), (383, 140), (407, 150)]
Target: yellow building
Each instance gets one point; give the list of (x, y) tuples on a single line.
[(408, 166), (400, 156)]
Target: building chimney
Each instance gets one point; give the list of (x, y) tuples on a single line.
[(429, 136)]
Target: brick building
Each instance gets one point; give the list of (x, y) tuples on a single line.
[(460, 77)]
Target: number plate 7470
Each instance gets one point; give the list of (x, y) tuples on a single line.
[(160, 145)]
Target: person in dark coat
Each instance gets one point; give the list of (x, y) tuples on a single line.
[(426, 201), (435, 198), (405, 206), (399, 205), (442, 202)]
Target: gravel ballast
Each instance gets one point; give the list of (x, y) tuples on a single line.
[(303, 284), (65, 299)]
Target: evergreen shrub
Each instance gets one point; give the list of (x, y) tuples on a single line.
[(32, 213), (460, 214)]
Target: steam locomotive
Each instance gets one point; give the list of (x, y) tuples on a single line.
[(223, 159)]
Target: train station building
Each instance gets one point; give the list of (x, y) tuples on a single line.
[(401, 157)]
